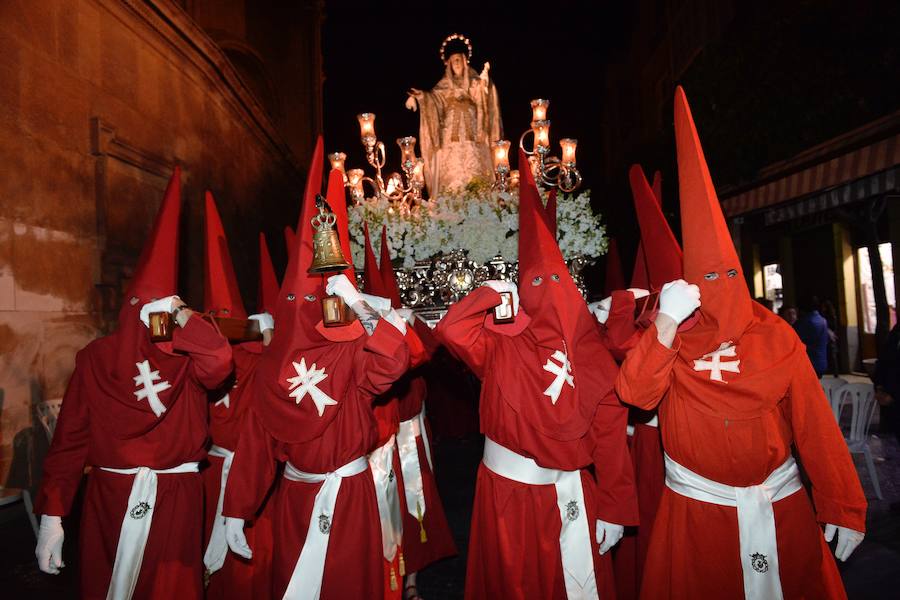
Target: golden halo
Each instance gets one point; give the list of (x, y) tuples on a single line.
[(460, 37)]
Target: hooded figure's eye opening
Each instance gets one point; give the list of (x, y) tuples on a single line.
[(310, 297), (732, 272), (290, 297), (537, 280), (554, 277), (711, 276)]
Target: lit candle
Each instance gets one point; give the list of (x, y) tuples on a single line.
[(539, 108), (514, 178), (407, 151), (541, 130), (568, 151), (418, 176), (337, 161), (500, 155), (354, 179), (366, 126)]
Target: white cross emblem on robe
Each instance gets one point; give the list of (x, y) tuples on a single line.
[(563, 373), (715, 366), (305, 383), (148, 389)]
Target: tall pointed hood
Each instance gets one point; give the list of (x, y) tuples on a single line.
[(155, 277), (267, 292), (615, 279), (337, 200), (298, 309), (371, 273), (290, 240), (156, 273), (554, 303), (388, 277), (659, 252), (222, 296), (726, 309)]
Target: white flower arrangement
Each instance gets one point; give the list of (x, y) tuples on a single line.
[(482, 222)]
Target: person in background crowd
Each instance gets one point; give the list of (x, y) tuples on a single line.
[(789, 314), (813, 331), (887, 386), (830, 313)]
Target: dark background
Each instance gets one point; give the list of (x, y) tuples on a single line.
[(777, 78)]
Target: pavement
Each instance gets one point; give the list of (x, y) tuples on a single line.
[(873, 572)]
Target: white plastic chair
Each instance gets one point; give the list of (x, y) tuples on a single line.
[(861, 398), (832, 387)]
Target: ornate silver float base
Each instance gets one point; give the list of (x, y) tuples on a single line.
[(431, 286)]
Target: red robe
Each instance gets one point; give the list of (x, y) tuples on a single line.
[(411, 390), (514, 542), (621, 333), (238, 578), (100, 426), (276, 430), (736, 433)]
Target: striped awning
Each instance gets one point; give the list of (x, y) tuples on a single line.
[(859, 189), (826, 175)]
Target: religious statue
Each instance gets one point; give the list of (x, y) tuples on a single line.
[(459, 118)]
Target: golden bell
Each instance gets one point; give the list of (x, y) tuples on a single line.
[(327, 253)]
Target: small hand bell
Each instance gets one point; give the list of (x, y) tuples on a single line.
[(161, 327), (327, 254)]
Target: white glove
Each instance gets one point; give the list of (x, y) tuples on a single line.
[(505, 286), (608, 535), (408, 314), (49, 545), (382, 305), (848, 540), (638, 292), (265, 320), (339, 285), (679, 299), (166, 304), (234, 535), (396, 320), (600, 309)]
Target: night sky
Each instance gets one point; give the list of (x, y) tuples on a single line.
[(373, 52)]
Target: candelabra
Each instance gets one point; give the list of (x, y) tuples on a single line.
[(549, 171), (406, 188)]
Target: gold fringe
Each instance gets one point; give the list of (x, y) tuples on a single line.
[(423, 537), (393, 579), (402, 564)]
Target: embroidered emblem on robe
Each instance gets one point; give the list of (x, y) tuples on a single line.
[(713, 363), (305, 383)]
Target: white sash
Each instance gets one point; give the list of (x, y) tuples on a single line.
[(381, 460), (413, 487), (306, 580), (136, 527), (756, 519), (574, 535), (217, 548)]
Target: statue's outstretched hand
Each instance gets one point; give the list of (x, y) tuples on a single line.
[(485, 71)]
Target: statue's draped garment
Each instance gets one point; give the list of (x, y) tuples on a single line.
[(459, 118)]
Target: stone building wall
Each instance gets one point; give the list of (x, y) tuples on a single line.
[(99, 100)]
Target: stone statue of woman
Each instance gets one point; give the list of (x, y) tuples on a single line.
[(459, 118)]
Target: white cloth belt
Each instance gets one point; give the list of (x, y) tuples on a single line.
[(575, 533), (413, 487), (306, 580), (756, 518), (136, 526), (381, 460), (217, 548)]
